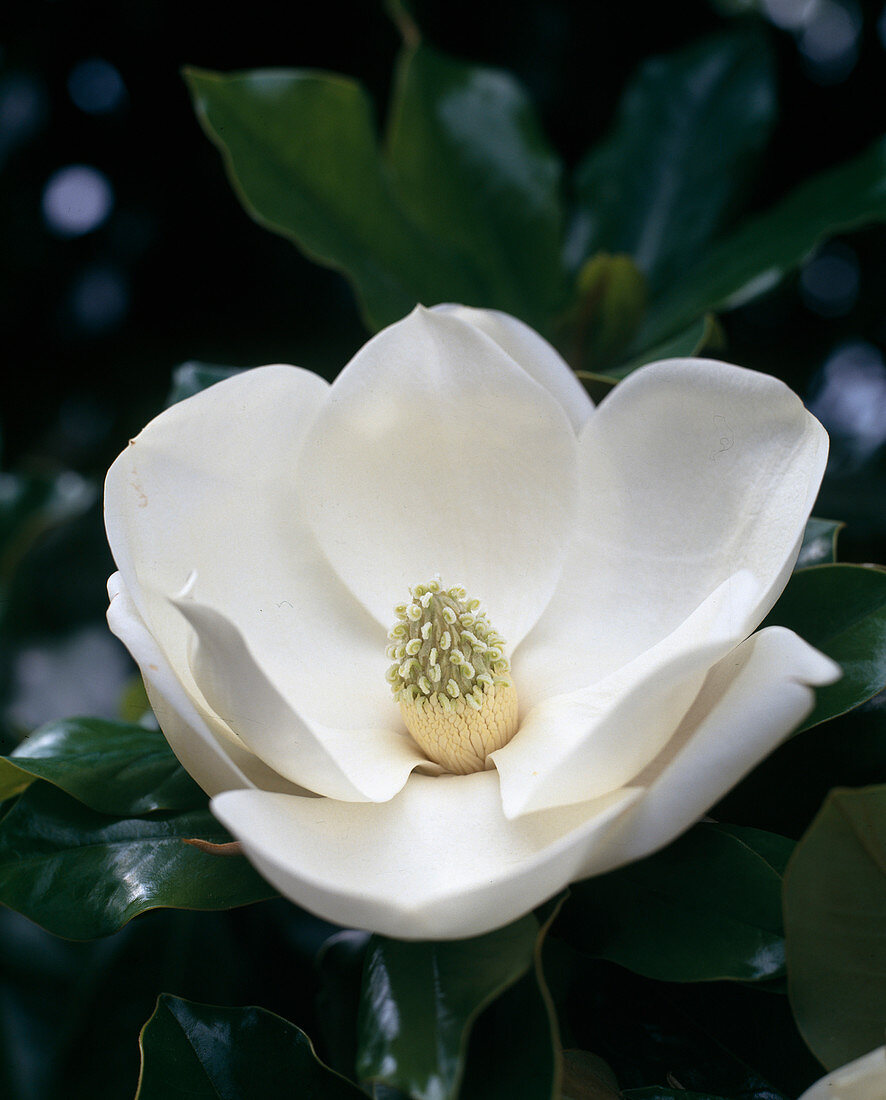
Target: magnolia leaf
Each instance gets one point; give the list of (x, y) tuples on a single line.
[(439, 989), (835, 899), (703, 333), (757, 256), (206, 1052), (472, 167), (716, 895), (112, 767), (83, 874), (459, 203), (689, 132), (819, 545), (841, 610)]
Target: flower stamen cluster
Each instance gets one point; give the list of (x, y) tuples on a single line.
[(451, 677)]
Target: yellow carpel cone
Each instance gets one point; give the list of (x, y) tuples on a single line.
[(451, 678)]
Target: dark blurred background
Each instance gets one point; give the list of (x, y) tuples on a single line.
[(125, 251)]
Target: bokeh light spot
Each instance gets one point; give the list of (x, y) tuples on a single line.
[(76, 200), (96, 86), (829, 281)]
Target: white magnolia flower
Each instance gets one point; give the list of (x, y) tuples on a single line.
[(266, 529), (863, 1079)]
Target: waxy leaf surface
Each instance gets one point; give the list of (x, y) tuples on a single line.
[(82, 874), (112, 767), (716, 898), (841, 610), (459, 203), (420, 1002), (689, 131), (756, 256), (206, 1052)]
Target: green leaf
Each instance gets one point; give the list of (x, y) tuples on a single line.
[(471, 167), (420, 1001), (841, 610), (206, 1052), (689, 131), (702, 333), (114, 767), (835, 899), (82, 874), (758, 255), (460, 203), (192, 377), (819, 542), (716, 896)]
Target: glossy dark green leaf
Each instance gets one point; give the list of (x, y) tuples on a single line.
[(420, 1001), (834, 904), (83, 874), (819, 545), (113, 767), (192, 377), (206, 1052), (472, 168), (689, 130), (757, 256), (460, 203), (716, 896), (303, 155), (841, 610)]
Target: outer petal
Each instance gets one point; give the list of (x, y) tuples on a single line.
[(206, 748), (209, 485), (749, 703), (439, 861), (862, 1079), (434, 452), (581, 745), (351, 764), (691, 470), (533, 353)]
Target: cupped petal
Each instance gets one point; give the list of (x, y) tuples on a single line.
[(210, 486), (439, 861), (581, 745), (749, 703), (437, 454), (691, 470), (862, 1079), (352, 764), (533, 353), (207, 750)]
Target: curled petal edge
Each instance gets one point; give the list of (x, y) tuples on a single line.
[(205, 748)]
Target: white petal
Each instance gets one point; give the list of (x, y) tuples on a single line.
[(573, 747), (352, 764), (439, 861), (748, 705), (691, 470), (862, 1079), (533, 353), (438, 454), (205, 747), (210, 485)]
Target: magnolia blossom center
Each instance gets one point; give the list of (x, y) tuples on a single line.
[(451, 678)]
